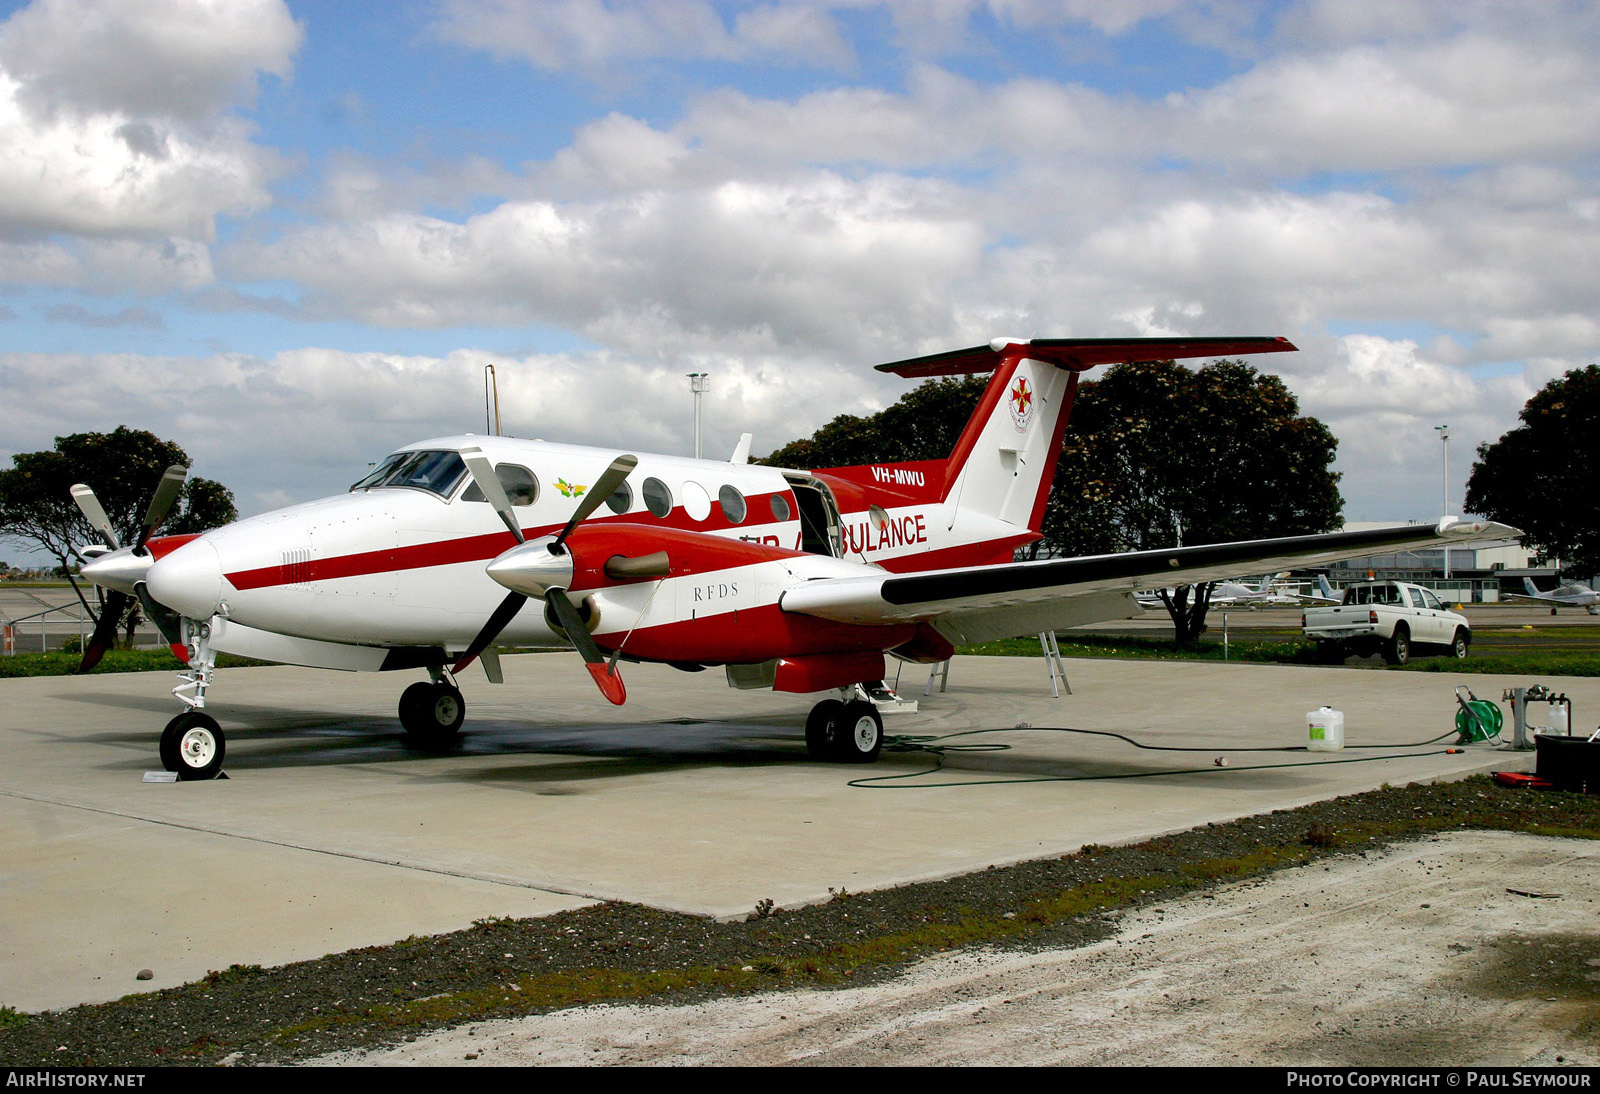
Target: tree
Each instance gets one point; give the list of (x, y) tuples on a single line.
[(1158, 454), (1540, 476), (123, 467), (922, 425)]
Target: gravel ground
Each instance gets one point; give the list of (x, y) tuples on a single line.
[(628, 953)]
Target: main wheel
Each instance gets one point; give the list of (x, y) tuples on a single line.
[(820, 729), (1397, 651), (1459, 644), (431, 714), (193, 745), (857, 733)]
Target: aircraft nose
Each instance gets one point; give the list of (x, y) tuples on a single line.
[(189, 580)]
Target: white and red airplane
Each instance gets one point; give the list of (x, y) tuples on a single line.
[(797, 581)]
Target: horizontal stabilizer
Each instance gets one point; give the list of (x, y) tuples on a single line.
[(1078, 354)]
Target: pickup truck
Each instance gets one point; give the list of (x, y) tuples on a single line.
[(1391, 617)]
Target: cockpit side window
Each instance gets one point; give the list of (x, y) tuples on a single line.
[(520, 484)]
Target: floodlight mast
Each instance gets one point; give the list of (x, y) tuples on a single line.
[(1444, 496), (698, 383)]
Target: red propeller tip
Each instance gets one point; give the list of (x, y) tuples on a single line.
[(610, 683)]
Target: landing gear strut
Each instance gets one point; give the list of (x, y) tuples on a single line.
[(844, 732), (193, 744), (431, 713)]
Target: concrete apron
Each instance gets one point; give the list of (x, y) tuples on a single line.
[(331, 833)]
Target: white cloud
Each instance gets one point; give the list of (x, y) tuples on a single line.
[(817, 261), (306, 422), (115, 136), (185, 59), (588, 36)]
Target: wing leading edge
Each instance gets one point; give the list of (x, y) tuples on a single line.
[(983, 603)]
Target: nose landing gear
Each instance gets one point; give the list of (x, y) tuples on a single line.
[(193, 744)]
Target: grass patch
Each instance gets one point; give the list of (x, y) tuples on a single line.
[(1285, 651), (66, 664), (1300, 651)]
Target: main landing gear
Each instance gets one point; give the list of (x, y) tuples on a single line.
[(846, 730), (431, 712)]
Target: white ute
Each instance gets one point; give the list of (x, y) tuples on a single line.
[(1391, 617)]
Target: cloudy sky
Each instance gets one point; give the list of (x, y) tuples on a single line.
[(289, 236)]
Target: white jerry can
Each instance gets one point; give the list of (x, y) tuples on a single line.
[(1326, 727)]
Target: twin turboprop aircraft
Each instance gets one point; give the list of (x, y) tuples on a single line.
[(794, 581)]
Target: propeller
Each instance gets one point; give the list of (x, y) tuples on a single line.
[(116, 600), (557, 571)]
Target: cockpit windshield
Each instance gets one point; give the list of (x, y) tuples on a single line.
[(436, 472)]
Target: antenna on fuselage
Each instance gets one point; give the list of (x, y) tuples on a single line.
[(491, 390)]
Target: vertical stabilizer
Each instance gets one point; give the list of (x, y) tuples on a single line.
[(1005, 458)]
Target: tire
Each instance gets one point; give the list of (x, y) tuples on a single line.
[(193, 745), (1397, 651), (820, 729), (1460, 643), (431, 714), (857, 733)]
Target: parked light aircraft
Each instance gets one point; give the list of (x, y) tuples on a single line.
[(791, 580), (1232, 594), (1574, 594)]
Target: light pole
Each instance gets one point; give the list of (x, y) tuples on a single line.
[(698, 382), (1444, 496)]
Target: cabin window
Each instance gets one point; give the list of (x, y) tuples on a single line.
[(658, 497), (621, 499), (520, 484), (733, 506), (780, 507)]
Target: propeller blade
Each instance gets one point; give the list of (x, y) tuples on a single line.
[(504, 614), (167, 491), (604, 487), (605, 676), (95, 514), (105, 630), (488, 482), (167, 621)]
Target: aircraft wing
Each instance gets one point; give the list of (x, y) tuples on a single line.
[(983, 603)]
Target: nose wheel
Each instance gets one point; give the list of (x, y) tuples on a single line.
[(431, 713), (193, 745)]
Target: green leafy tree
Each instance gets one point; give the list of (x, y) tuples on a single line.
[(122, 467), (1159, 454), (922, 425), (1540, 476)]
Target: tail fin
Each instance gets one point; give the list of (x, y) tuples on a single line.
[(1006, 456), (1533, 590)]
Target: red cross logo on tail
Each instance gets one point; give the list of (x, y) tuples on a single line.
[(1021, 402)]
